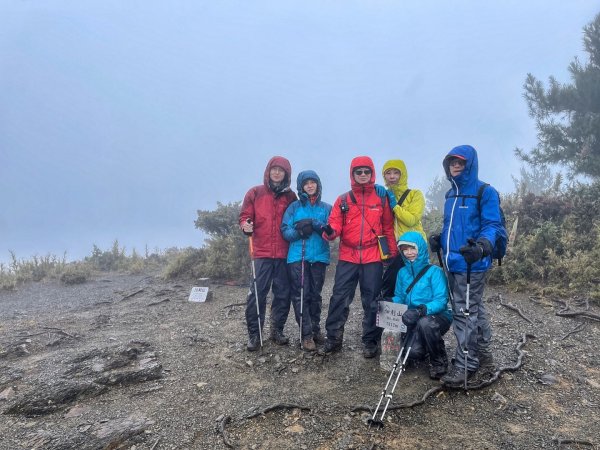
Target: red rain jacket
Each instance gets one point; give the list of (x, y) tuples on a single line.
[(265, 208), (368, 218)]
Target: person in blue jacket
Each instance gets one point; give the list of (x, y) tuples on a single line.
[(469, 233), (302, 226), (427, 316)]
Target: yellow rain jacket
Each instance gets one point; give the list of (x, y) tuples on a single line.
[(407, 217)]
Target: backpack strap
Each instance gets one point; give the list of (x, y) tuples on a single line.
[(479, 195), (403, 197), (418, 277), (353, 198), (344, 202)]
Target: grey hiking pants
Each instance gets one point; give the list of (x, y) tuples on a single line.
[(476, 333)]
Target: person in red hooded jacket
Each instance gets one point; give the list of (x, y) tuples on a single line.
[(260, 217), (358, 217)]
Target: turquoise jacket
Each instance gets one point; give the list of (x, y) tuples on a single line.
[(316, 248), (432, 288)]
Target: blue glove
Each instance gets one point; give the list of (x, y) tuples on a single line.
[(392, 198), (381, 191)]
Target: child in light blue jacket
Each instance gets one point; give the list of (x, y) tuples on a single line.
[(428, 316)]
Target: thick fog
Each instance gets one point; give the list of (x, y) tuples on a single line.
[(119, 119)]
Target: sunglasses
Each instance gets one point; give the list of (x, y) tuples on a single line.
[(362, 172)]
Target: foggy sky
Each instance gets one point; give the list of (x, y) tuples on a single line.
[(119, 119)]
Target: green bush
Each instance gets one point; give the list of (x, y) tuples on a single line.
[(76, 273), (558, 241)]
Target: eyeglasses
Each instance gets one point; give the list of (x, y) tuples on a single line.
[(456, 162), (362, 172)]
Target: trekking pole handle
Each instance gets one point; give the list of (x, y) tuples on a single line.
[(250, 240)]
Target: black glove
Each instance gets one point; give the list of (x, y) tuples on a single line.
[(304, 228), (472, 252), (486, 246), (412, 316), (247, 233), (317, 225), (434, 243), (327, 230)]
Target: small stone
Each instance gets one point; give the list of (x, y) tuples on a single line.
[(201, 385), (295, 370), (6, 393), (249, 363), (548, 379), (499, 398)]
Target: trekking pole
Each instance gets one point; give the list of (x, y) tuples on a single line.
[(251, 244), (442, 265), (466, 313), (400, 360), (302, 290)]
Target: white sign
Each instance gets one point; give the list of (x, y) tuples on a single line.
[(198, 294), (389, 316)]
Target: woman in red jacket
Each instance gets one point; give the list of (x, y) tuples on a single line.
[(359, 217), (260, 217)]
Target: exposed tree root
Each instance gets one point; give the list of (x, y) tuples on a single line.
[(222, 421), (470, 386), (159, 302), (275, 407), (580, 326), (560, 442), (234, 304), (132, 294), (565, 310), (514, 308), (586, 314), (220, 428)]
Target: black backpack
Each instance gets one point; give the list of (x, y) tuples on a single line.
[(499, 250)]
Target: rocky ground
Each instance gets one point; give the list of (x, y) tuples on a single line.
[(127, 362)]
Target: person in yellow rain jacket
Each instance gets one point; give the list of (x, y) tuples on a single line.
[(407, 204), (407, 207)]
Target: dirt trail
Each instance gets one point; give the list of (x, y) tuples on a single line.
[(127, 360)]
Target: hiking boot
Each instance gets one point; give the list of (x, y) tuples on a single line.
[(437, 371), (486, 361), (370, 350), (318, 338), (253, 343), (330, 347), (279, 338), (456, 377), (308, 345)]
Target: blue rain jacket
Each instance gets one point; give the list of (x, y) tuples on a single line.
[(462, 217), (432, 288), (316, 248)]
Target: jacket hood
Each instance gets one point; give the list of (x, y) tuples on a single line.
[(308, 175), (281, 162), (362, 161), (415, 238), (403, 181), (470, 173)]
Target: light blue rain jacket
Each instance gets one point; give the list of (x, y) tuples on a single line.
[(316, 248), (431, 290)]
